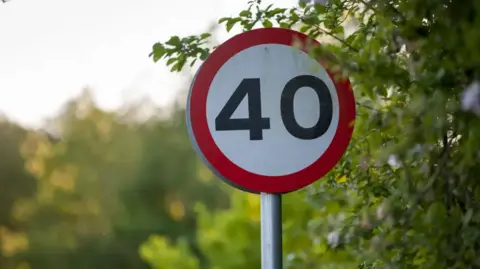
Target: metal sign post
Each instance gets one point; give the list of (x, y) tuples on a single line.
[(271, 230)]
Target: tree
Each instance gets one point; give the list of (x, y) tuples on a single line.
[(410, 198), (230, 238), (15, 184), (106, 184)]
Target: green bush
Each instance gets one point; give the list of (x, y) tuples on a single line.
[(411, 198)]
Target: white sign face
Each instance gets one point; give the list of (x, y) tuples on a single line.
[(272, 110)]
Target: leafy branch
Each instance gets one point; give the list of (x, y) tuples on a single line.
[(180, 51)]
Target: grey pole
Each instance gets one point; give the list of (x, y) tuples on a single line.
[(271, 222)]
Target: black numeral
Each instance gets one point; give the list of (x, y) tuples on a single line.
[(256, 124), (286, 107)]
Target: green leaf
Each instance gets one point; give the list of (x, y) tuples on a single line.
[(221, 20), (350, 38), (311, 20), (181, 64), (246, 13), (305, 28), (174, 41), (294, 16), (232, 23), (193, 62), (205, 35), (267, 24), (158, 51), (204, 55), (247, 26), (176, 67), (320, 9), (171, 60), (382, 91), (314, 33), (337, 30), (276, 11)]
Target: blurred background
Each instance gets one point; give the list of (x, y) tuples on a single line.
[(96, 167)]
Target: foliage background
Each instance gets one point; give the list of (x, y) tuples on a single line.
[(405, 194), (117, 189)]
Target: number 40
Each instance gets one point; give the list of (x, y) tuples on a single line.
[(255, 123)]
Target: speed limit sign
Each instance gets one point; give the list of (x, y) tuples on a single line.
[(267, 117)]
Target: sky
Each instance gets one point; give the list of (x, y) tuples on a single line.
[(50, 50)]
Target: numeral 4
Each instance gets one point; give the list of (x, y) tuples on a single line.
[(254, 123)]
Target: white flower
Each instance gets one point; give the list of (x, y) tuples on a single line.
[(290, 257), (471, 98), (333, 238), (381, 212), (393, 161)]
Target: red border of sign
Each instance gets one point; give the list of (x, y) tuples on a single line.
[(226, 168)]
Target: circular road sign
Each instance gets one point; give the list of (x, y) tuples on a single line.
[(267, 117)]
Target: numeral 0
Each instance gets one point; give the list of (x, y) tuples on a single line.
[(256, 124)]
